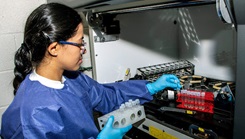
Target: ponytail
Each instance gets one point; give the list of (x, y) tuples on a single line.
[(23, 65), (46, 24)]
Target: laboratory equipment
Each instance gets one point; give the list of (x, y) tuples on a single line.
[(129, 113)]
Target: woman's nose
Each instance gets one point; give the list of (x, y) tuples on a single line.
[(83, 50)]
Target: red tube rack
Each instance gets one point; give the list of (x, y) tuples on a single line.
[(196, 100)]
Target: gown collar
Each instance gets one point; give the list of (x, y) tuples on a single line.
[(47, 82)]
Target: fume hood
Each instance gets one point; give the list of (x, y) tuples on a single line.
[(122, 13)]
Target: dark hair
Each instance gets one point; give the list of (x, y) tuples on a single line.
[(46, 24)]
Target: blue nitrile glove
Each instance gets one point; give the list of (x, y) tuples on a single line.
[(109, 132), (166, 80)]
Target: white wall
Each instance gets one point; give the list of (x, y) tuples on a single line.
[(13, 14), (152, 37)]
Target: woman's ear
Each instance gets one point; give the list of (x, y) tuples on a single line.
[(53, 49)]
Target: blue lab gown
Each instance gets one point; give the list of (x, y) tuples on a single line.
[(38, 111)]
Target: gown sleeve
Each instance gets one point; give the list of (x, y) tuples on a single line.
[(108, 97)]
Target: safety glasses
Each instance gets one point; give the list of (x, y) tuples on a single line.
[(80, 45)]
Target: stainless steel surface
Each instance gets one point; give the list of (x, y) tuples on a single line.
[(172, 133), (239, 115), (125, 6)]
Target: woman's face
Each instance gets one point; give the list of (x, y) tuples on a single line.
[(70, 57)]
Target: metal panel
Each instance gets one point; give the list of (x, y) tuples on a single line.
[(124, 6), (170, 131), (75, 3), (239, 11), (239, 119)]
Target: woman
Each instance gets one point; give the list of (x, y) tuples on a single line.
[(53, 99)]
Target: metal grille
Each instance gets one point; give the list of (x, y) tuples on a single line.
[(178, 68)]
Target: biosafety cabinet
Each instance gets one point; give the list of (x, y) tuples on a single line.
[(200, 41)]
